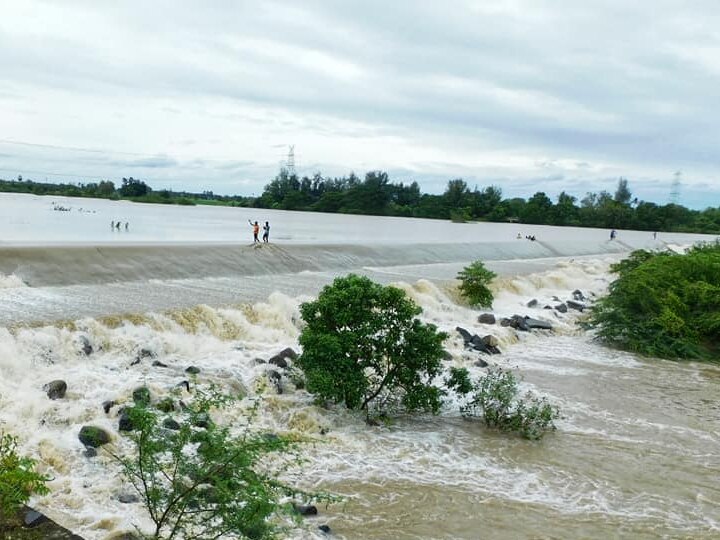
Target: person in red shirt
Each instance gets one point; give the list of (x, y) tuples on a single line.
[(256, 231)]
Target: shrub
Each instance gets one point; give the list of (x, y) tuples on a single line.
[(474, 284), (663, 304), (363, 345), (18, 478), (200, 481), (494, 398)]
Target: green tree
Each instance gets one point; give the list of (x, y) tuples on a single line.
[(364, 346), (622, 193), (18, 478), (197, 480), (538, 209), (474, 281)]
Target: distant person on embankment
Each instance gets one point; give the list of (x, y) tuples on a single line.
[(613, 234), (266, 232), (256, 230)]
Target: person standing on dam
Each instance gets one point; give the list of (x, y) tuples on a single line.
[(256, 230), (266, 232)]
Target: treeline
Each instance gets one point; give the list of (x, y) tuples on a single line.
[(130, 189), (377, 195)]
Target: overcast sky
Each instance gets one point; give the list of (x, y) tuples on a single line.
[(527, 95)]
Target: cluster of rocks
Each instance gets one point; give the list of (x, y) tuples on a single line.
[(283, 361)]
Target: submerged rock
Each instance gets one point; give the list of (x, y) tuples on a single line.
[(467, 336), (535, 324), (532, 303), (325, 529), (281, 358), (562, 308), (93, 436), (578, 295), (85, 347), (276, 380), (306, 510), (158, 363), (56, 389), (107, 405), (486, 318), (577, 306), (481, 363), (192, 370)]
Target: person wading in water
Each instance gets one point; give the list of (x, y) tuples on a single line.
[(256, 230), (266, 232)]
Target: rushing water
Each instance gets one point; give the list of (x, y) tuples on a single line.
[(635, 455)]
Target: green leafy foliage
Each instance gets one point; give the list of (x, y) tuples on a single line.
[(664, 304), (200, 481), (495, 398), (363, 346), (18, 478), (474, 281)]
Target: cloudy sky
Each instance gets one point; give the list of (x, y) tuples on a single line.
[(527, 95)]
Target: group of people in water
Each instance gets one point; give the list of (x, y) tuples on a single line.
[(115, 226), (530, 237), (256, 230)]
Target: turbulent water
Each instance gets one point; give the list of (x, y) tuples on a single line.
[(635, 455)]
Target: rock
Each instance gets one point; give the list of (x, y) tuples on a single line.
[(577, 306), (33, 518), (90, 452), (128, 498), (85, 346), (259, 361), (276, 380), (467, 336), (186, 384), (517, 322), (481, 363), (107, 405), (506, 322), (166, 405), (535, 324), (280, 359), (158, 363), (532, 303), (306, 510), (325, 529), (446, 355), (486, 318), (135, 362), (556, 299), (202, 420), (93, 436), (170, 423), (478, 344), (125, 422), (192, 370), (56, 389), (578, 295), (145, 353), (491, 341), (141, 395), (562, 308)]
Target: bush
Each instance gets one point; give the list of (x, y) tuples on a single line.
[(474, 284), (199, 481), (364, 346), (663, 304), (494, 397), (18, 478)]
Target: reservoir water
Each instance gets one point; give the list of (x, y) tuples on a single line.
[(635, 454)]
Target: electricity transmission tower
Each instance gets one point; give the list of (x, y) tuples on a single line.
[(675, 188), (290, 165)]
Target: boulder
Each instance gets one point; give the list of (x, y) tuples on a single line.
[(467, 336), (562, 308), (532, 303), (141, 395), (146, 353), (125, 423), (85, 347), (306, 510), (170, 423), (577, 306), (486, 318), (281, 358), (490, 341), (192, 370), (107, 405), (128, 498), (93, 436), (481, 363), (55, 389), (578, 295), (477, 343), (535, 324), (276, 380), (325, 529), (158, 363), (517, 322), (33, 518)]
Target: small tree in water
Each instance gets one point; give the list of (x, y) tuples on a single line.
[(474, 281), (364, 346), (495, 398), (197, 481)]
